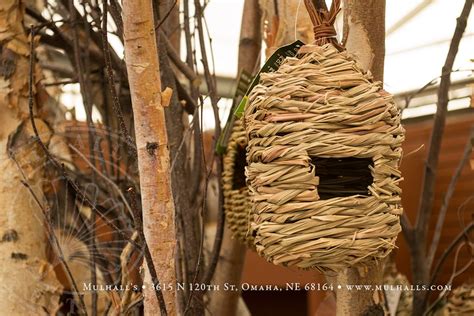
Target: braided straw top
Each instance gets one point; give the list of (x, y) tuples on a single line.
[(323, 23)]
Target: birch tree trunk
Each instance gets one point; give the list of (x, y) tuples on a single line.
[(141, 56), (287, 21), (28, 283), (364, 23), (364, 28)]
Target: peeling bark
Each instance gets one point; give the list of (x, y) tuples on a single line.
[(286, 21), (362, 302), (364, 28), (152, 143), (28, 282)]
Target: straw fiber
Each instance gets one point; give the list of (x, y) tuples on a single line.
[(324, 145), (236, 199)]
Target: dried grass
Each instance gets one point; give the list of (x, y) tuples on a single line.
[(236, 199), (323, 105)]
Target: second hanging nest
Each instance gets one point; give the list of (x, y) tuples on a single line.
[(323, 155), (236, 199)]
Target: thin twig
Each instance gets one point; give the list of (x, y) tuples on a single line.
[(192, 273), (132, 152), (432, 82), (109, 181), (419, 242), (198, 148), (116, 13), (427, 196), (55, 242), (447, 198), (174, 56), (199, 153), (455, 273), (163, 20), (31, 81), (83, 74), (448, 250), (210, 80)]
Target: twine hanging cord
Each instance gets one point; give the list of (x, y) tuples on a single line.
[(323, 23)]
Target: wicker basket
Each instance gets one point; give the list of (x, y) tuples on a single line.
[(236, 199), (323, 155)]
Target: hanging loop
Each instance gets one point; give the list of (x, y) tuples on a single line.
[(323, 23)]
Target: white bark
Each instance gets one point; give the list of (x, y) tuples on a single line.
[(28, 285), (292, 23), (141, 57)]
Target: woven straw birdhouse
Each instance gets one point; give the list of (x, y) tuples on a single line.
[(324, 146), (237, 207)]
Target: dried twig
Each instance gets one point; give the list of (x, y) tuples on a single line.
[(116, 13), (432, 82), (211, 86), (132, 152), (174, 56), (163, 20), (51, 234), (55, 243), (103, 176), (83, 84), (455, 273), (197, 124), (418, 235), (426, 199), (447, 198), (448, 250)]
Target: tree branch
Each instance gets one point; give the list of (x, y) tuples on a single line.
[(427, 197), (211, 86), (447, 252), (153, 149), (447, 198), (418, 245), (174, 56)]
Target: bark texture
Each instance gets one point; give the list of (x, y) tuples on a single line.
[(362, 302), (28, 283), (141, 55), (365, 30), (284, 22), (364, 25)]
